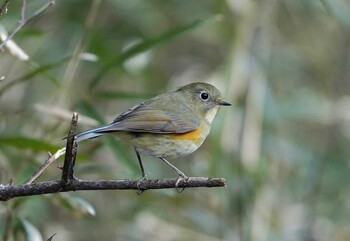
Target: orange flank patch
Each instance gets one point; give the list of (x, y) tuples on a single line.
[(194, 135)]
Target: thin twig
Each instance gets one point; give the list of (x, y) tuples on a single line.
[(8, 192), (50, 239), (26, 21), (46, 164)]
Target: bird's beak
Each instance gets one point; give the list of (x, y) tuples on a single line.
[(223, 102)]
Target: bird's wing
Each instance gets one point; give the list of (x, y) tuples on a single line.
[(155, 116)]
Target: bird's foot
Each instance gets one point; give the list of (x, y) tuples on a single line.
[(182, 178), (140, 190)]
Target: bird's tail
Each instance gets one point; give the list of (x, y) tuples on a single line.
[(93, 133)]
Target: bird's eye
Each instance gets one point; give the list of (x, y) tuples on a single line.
[(204, 95)]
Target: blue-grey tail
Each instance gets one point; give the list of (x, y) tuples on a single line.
[(93, 133)]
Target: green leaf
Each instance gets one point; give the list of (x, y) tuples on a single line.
[(75, 206), (24, 142), (90, 111), (143, 46), (31, 232)]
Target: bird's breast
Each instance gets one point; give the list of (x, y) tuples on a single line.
[(195, 135)]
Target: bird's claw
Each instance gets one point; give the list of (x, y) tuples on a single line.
[(184, 179)]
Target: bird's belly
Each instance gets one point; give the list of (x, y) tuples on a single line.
[(164, 145)]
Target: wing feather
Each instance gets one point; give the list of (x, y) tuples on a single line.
[(155, 116)]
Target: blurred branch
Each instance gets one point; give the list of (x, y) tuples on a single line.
[(23, 20), (3, 7), (23, 11), (74, 62), (69, 183), (34, 72), (8, 192)]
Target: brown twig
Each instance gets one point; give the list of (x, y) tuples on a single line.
[(11, 191), (71, 151)]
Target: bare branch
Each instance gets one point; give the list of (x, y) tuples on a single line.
[(8, 192), (69, 183)]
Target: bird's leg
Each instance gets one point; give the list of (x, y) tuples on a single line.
[(181, 174), (144, 177), (140, 163)]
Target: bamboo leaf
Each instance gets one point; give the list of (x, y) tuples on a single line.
[(75, 206), (32, 233), (24, 142), (34, 72), (143, 46)]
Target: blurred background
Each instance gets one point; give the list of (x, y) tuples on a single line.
[(283, 146)]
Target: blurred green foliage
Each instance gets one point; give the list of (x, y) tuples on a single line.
[(283, 146)]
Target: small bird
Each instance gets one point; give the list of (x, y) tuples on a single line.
[(169, 125)]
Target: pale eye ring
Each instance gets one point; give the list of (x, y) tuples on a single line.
[(204, 95)]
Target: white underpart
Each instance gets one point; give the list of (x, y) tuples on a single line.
[(211, 114)]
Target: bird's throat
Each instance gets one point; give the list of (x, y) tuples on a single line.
[(209, 116)]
